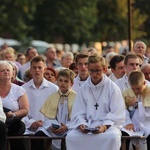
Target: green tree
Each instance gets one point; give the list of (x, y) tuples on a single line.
[(15, 18), (112, 21), (70, 21)]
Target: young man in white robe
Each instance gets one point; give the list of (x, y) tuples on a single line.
[(137, 99), (117, 67), (98, 112), (131, 62), (57, 110), (81, 60)]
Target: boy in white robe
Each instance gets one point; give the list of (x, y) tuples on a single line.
[(57, 110), (98, 112), (137, 98)]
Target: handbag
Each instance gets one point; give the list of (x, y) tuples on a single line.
[(14, 124)]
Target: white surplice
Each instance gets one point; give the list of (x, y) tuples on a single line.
[(77, 83), (112, 77), (111, 111), (36, 98)]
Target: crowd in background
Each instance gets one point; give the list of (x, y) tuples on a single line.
[(40, 76)]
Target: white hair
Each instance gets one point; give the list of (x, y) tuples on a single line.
[(6, 63), (109, 56)]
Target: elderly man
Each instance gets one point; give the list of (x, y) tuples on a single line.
[(140, 48)]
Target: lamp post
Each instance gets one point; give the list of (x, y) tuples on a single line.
[(129, 23)]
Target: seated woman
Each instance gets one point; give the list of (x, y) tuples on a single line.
[(14, 101)]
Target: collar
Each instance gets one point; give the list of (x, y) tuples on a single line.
[(44, 83)]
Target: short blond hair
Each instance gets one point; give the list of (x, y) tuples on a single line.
[(10, 51), (136, 78), (96, 58)]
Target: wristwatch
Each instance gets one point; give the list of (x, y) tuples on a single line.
[(135, 105), (14, 115)]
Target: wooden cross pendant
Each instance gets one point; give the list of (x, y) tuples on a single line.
[(96, 105)]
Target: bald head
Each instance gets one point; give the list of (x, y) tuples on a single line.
[(146, 71), (140, 47)]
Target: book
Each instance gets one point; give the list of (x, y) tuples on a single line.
[(133, 133)]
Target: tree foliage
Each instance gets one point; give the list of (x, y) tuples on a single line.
[(73, 21)]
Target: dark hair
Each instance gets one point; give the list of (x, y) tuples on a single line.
[(72, 66), (37, 59), (28, 49), (116, 59)]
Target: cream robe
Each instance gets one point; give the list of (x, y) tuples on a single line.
[(111, 111), (53, 111), (141, 117)]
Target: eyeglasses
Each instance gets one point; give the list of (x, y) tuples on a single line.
[(95, 71)]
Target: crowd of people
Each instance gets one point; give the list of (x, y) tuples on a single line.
[(86, 97)]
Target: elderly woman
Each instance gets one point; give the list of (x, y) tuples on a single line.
[(15, 102), (14, 78)]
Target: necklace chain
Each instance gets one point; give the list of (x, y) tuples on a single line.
[(96, 101)]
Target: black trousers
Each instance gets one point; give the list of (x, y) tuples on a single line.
[(38, 144), (18, 144), (3, 135), (148, 142)]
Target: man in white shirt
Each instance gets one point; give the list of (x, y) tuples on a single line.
[(38, 89), (82, 66), (117, 67)]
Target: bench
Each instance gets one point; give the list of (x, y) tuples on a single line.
[(130, 138), (63, 145), (45, 138)]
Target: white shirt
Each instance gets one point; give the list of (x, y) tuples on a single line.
[(11, 100), (2, 115), (36, 99)]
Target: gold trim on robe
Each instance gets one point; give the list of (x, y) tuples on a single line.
[(49, 108), (128, 94)]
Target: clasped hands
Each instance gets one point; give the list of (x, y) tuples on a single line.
[(101, 129)]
